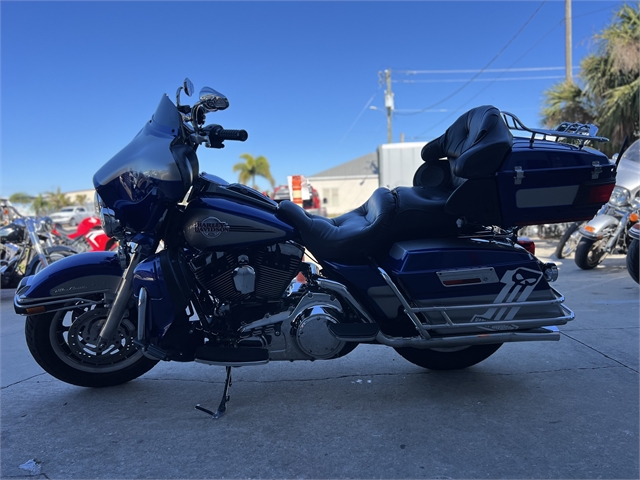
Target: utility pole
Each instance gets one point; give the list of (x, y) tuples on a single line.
[(388, 103), (567, 24)]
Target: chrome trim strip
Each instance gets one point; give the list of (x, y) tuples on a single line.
[(535, 303), (479, 339), (36, 302)]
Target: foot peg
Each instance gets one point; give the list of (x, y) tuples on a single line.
[(232, 357), (354, 332)]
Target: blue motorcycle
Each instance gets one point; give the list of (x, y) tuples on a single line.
[(215, 272)]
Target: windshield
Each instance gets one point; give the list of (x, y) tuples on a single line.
[(632, 154), (148, 175), (148, 154), (67, 210)]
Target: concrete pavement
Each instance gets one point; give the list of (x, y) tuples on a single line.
[(565, 409)]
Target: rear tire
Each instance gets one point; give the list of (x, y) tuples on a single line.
[(63, 344), (450, 358), (590, 253), (633, 259), (569, 241)]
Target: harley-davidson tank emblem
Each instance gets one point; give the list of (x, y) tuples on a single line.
[(211, 227)]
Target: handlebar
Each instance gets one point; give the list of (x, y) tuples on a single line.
[(215, 135)]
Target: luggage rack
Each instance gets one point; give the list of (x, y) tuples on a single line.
[(583, 132)]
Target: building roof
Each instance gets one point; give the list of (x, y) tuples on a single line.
[(362, 166)]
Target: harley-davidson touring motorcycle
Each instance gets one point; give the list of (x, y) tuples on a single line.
[(215, 272)]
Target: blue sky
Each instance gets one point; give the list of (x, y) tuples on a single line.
[(79, 79)]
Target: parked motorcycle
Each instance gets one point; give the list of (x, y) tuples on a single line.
[(414, 268), (608, 231), (88, 237), (26, 247), (633, 253)]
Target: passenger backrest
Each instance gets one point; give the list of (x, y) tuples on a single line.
[(475, 145)]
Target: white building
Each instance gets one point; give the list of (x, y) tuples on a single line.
[(347, 186)]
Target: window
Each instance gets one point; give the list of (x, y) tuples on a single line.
[(332, 196)]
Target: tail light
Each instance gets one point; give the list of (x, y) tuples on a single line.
[(527, 244)]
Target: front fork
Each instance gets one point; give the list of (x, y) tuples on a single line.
[(617, 235), (122, 297)]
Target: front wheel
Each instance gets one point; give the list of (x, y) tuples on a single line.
[(569, 241), (53, 254), (590, 253), (632, 259), (64, 345), (448, 358)]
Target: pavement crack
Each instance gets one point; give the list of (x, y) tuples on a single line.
[(601, 353), (22, 381)]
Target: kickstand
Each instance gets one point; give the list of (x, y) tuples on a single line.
[(223, 403)]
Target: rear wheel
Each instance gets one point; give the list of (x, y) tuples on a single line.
[(64, 344), (632, 259), (590, 253), (455, 358)]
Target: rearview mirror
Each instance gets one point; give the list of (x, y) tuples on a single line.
[(188, 87), (212, 100)]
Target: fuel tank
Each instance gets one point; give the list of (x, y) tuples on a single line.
[(213, 223)]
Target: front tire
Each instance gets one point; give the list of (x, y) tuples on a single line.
[(590, 253), (63, 343), (633, 259), (449, 358), (569, 241), (53, 254)]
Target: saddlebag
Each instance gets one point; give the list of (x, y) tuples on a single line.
[(465, 284)]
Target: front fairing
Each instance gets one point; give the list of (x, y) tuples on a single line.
[(152, 173), (629, 169)]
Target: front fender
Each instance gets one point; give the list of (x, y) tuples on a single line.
[(66, 281), (597, 225)]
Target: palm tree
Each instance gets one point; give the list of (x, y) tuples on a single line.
[(611, 84), (252, 167), (57, 199), (40, 205), (21, 198), (81, 199)]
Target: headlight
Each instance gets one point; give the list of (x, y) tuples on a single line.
[(635, 203), (619, 197), (110, 224)]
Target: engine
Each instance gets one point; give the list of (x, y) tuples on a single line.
[(262, 273)]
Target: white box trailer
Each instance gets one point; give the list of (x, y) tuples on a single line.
[(398, 163)]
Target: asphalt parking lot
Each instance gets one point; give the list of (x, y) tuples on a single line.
[(566, 409)]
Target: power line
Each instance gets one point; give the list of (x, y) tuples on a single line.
[(488, 64), (495, 79), (489, 70), (487, 86)]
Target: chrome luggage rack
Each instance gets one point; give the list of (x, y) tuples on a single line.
[(425, 327), (583, 132)]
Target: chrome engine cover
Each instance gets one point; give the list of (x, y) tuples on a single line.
[(302, 332), (312, 335)]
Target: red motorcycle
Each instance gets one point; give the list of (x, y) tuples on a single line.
[(89, 237)]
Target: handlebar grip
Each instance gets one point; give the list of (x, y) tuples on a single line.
[(223, 134)]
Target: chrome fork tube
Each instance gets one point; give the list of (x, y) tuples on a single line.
[(614, 238), (119, 305), (35, 242)]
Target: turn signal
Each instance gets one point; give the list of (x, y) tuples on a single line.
[(633, 217), (589, 228)]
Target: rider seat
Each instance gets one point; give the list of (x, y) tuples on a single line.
[(461, 185)]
